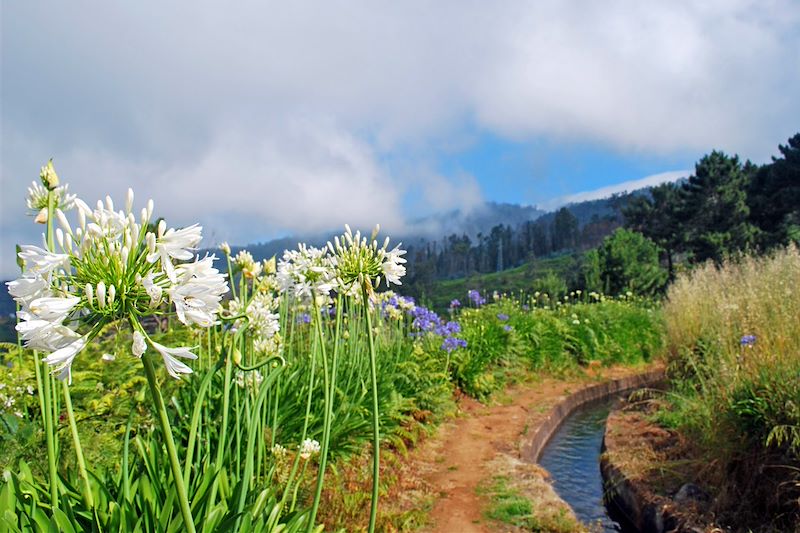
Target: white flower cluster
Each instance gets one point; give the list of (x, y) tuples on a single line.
[(249, 380), (306, 272), (308, 448), (111, 268), (38, 194), (249, 266), (355, 258)]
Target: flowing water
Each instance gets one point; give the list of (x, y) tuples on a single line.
[(572, 457)]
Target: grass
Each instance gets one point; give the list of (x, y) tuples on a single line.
[(519, 495), (733, 341), (512, 337), (511, 281)]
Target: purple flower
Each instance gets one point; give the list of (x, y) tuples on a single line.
[(476, 297), (452, 343), (455, 303), (748, 340), (526, 307), (502, 317), (507, 327), (424, 319), (449, 329), (303, 318)]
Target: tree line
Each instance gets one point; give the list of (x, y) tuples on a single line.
[(637, 241)]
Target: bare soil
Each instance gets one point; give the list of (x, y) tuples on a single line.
[(465, 452)]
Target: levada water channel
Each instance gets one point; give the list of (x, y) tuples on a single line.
[(572, 458)]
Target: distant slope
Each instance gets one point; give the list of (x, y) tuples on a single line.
[(511, 281)]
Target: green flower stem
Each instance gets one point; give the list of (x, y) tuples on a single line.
[(329, 387), (226, 398), (376, 440), (73, 426), (43, 382), (305, 431), (174, 462), (77, 443)]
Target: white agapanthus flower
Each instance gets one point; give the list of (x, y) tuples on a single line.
[(357, 259), (37, 199), (250, 267), (110, 268), (306, 272), (308, 448)]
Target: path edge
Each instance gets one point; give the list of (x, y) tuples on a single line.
[(532, 448)]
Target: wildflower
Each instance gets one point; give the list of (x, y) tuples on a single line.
[(748, 340), (48, 176), (170, 355), (139, 345), (454, 304), (502, 317), (110, 269), (108, 357), (508, 327), (308, 448), (37, 200), (303, 318), (174, 244), (306, 273), (278, 450), (476, 298), (250, 267), (197, 291), (452, 343), (225, 248), (449, 329), (357, 260)]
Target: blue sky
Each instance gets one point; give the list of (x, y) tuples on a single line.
[(260, 120), (543, 172)]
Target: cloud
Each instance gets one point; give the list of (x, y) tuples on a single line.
[(625, 186), (306, 102)]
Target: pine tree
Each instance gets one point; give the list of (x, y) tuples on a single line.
[(714, 204)]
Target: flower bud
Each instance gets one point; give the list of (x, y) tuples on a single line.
[(269, 265), (225, 248), (151, 242), (48, 176), (68, 242), (112, 294), (139, 345), (62, 220), (129, 201), (101, 295), (124, 254), (162, 227), (60, 237), (89, 294), (144, 217), (82, 218), (41, 218), (149, 208), (109, 203)]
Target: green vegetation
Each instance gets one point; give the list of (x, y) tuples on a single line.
[(552, 335), (733, 340), (524, 279), (625, 261), (726, 207), (510, 504)]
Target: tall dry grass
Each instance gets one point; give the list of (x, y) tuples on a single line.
[(716, 306), (733, 341)]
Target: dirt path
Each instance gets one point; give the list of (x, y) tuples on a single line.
[(459, 458)]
